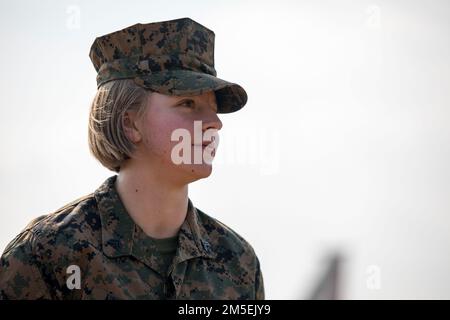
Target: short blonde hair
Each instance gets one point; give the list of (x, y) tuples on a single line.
[(107, 140)]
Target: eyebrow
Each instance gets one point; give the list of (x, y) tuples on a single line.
[(215, 106)]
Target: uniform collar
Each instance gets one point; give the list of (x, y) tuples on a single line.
[(120, 234)]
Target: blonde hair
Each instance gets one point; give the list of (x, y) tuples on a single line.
[(107, 140)]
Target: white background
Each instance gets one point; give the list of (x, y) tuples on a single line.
[(342, 147)]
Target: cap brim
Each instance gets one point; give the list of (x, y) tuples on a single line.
[(230, 96)]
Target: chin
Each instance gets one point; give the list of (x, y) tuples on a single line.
[(197, 172)]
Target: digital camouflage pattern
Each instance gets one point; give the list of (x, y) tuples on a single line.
[(117, 260), (174, 57)]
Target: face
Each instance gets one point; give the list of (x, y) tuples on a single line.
[(170, 118)]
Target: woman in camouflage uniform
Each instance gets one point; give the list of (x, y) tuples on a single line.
[(138, 236)]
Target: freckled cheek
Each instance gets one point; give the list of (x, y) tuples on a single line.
[(159, 135), (179, 124)]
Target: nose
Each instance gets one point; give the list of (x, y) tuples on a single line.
[(212, 121)]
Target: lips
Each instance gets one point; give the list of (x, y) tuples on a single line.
[(205, 144)]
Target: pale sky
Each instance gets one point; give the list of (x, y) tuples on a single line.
[(343, 146)]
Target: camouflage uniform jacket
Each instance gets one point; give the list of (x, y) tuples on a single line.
[(115, 260)]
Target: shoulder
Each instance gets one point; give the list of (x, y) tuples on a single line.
[(75, 222), (41, 252), (226, 241)]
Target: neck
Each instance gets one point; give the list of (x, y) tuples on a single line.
[(155, 203)]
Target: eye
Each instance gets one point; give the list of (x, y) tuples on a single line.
[(188, 103)]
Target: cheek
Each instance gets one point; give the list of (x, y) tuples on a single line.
[(158, 135)]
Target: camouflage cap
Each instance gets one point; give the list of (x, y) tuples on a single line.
[(174, 57)]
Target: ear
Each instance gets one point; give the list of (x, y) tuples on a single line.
[(131, 126)]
